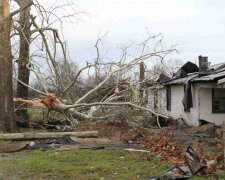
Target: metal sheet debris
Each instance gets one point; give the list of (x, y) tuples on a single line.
[(184, 172), (193, 160), (173, 173)]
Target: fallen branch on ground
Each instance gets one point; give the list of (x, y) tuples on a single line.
[(47, 135)]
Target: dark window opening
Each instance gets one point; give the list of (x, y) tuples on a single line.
[(218, 100), (168, 98), (186, 110)]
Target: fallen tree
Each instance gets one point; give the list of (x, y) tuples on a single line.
[(47, 135), (123, 94), (81, 109)]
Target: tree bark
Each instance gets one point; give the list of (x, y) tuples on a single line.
[(23, 61), (141, 78), (6, 91), (47, 135)]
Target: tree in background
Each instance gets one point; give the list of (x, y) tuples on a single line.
[(24, 31)]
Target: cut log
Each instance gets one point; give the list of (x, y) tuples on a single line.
[(47, 135)]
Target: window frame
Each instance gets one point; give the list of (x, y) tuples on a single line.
[(213, 103)]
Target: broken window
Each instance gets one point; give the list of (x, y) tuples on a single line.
[(168, 98), (218, 100), (189, 99)]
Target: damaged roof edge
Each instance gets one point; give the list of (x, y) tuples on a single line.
[(211, 75)]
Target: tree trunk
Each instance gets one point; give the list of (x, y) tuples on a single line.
[(24, 56), (6, 90), (47, 135), (141, 78)]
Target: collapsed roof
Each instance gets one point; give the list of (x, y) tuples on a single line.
[(190, 72)]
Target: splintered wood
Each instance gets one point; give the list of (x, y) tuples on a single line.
[(45, 102), (49, 101)]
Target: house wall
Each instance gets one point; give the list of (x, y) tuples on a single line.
[(205, 105), (177, 93), (177, 108), (202, 104)]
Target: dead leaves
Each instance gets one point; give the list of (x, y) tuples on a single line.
[(165, 147), (162, 145)]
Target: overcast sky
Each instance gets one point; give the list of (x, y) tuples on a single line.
[(196, 26)]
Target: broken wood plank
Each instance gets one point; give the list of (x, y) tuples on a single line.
[(47, 135), (13, 147), (95, 141)]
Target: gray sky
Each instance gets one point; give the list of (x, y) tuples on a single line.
[(196, 26)]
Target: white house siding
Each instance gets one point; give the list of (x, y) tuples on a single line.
[(202, 104), (177, 108), (205, 105), (177, 93)]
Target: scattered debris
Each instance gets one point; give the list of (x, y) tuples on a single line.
[(51, 124), (135, 139), (163, 144), (13, 147), (194, 166), (193, 160), (173, 173), (136, 150), (206, 128), (95, 141), (52, 143)]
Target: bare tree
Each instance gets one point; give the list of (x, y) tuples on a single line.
[(24, 57), (115, 91), (124, 94), (6, 90), (29, 34), (167, 67)]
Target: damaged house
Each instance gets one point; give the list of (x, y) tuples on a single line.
[(194, 94)]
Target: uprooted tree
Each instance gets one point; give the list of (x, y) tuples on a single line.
[(122, 91), (99, 90)]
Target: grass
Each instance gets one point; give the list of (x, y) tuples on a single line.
[(219, 175), (80, 164)]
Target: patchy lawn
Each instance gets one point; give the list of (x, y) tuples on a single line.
[(80, 164)]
